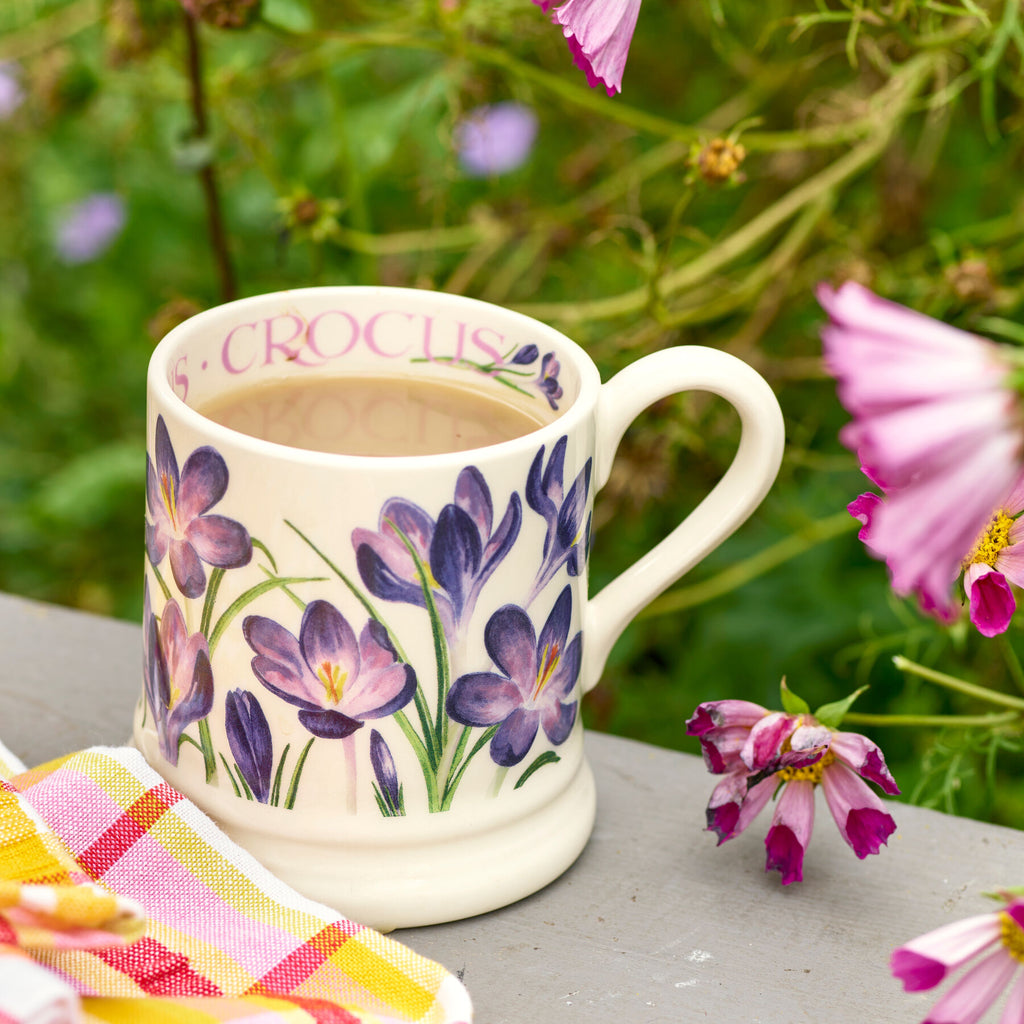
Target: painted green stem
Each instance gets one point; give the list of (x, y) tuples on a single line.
[(206, 745)]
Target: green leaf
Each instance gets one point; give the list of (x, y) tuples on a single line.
[(832, 714), (548, 757), (791, 703), (293, 788), (289, 15), (249, 596), (91, 488)]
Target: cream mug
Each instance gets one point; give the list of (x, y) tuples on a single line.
[(368, 669)]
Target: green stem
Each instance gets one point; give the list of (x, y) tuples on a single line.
[(206, 741), (1012, 662), (211, 596), (293, 788), (453, 782), (750, 568), (423, 755), (952, 721), (959, 685)]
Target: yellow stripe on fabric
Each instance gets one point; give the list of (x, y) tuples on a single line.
[(111, 775), (144, 1011), (204, 958), (90, 972), (384, 979), (29, 852)]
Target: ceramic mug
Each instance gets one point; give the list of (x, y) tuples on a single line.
[(366, 669)]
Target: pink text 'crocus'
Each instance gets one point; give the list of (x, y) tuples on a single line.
[(925, 961), (766, 753), (936, 427), (598, 33)]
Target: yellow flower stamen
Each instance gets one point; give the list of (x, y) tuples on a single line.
[(169, 498), (1012, 936), (811, 773), (333, 680), (993, 539), (548, 664)]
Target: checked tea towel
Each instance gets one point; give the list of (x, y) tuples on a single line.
[(120, 902)]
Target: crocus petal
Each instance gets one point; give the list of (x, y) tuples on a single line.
[(992, 603), (455, 551), (570, 515), (556, 627), (720, 714), (220, 541), (790, 831), (204, 481), (280, 665), (599, 33), (404, 517), (865, 758), (387, 568), (383, 763), (329, 725), (329, 644), (195, 704), (504, 537), (858, 813), (473, 496), (157, 541), (557, 720), (482, 698), (969, 998), (925, 961), (186, 568), (514, 737), (166, 463), (173, 633), (250, 741), (384, 684), (512, 645), (528, 353), (544, 486)]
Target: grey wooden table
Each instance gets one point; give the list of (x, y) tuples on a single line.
[(653, 923)]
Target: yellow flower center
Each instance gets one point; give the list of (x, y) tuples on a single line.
[(169, 498), (333, 680), (810, 773), (548, 664), (1012, 936), (993, 539)]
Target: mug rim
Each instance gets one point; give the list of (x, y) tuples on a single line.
[(160, 389)]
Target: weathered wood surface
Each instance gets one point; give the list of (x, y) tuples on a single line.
[(654, 923)]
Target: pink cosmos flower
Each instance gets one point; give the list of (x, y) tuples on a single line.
[(598, 33), (925, 961), (935, 426), (758, 751)]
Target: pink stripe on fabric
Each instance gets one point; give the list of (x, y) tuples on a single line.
[(304, 962), (176, 897)]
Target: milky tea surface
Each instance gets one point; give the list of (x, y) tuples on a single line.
[(370, 415)]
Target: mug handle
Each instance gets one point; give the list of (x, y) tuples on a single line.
[(727, 505)]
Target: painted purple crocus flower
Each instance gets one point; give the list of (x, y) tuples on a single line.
[(336, 681), (389, 791), (251, 743), (925, 961), (11, 93), (760, 751), (459, 551), (567, 540), (598, 33), (181, 525), (534, 688), (88, 228), (526, 355), (495, 138), (547, 382), (177, 674)]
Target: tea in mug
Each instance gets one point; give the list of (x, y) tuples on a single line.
[(359, 415)]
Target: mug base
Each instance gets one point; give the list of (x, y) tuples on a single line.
[(407, 879)]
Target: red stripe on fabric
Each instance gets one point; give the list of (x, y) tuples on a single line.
[(322, 1011), (295, 968), (7, 934), (157, 970), (129, 828)]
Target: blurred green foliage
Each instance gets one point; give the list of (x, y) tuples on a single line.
[(882, 142)]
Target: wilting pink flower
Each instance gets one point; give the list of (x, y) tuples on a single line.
[(760, 751), (936, 427), (88, 228), (11, 93), (925, 961), (495, 139), (598, 33)]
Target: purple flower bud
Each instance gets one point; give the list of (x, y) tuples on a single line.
[(88, 228), (495, 139)]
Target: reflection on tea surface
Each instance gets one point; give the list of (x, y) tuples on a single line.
[(371, 415)]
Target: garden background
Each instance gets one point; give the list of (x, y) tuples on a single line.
[(880, 142)]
